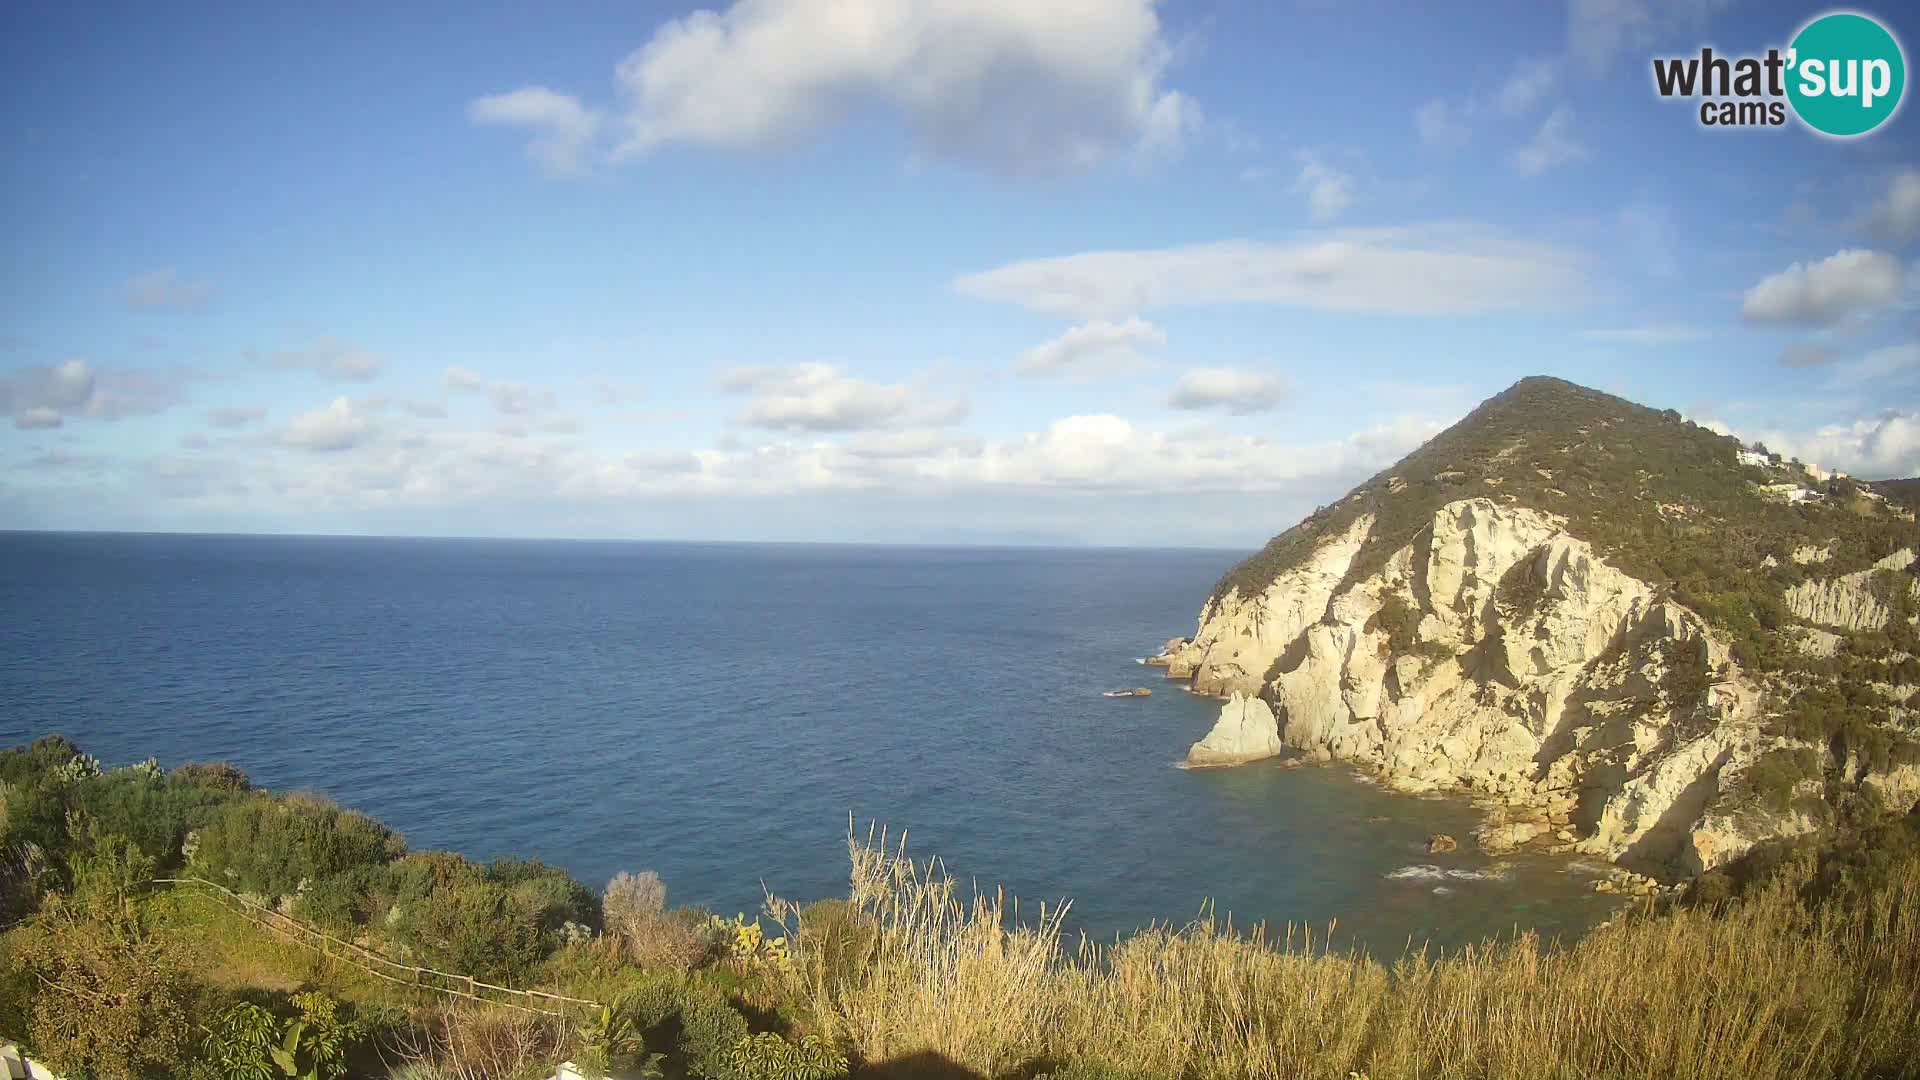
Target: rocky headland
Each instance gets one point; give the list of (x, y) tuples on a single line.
[(1542, 607)]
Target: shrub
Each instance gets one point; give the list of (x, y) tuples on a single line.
[(550, 893), (344, 900), (633, 898), (690, 1025), (153, 811), (473, 1042), (215, 775), (1776, 774), (634, 911), (474, 929), (80, 960), (271, 846)]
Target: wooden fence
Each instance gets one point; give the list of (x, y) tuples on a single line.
[(359, 956)]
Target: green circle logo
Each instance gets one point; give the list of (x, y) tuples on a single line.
[(1845, 74)]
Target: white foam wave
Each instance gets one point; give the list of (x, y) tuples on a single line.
[(1430, 872)]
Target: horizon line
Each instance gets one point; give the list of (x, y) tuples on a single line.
[(1058, 545)]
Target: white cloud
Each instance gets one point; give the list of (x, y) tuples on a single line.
[(39, 416), (75, 388), (330, 359), (1443, 124), (818, 397), (1600, 30), (164, 288), (1418, 270), (1894, 218), (1848, 283), (1880, 446), (1552, 146), (1013, 88), (1092, 348), (337, 425), (1527, 87), (1893, 365), (1232, 390), (1328, 190), (1648, 334), (235, 416), (510, 398), (563, 129)]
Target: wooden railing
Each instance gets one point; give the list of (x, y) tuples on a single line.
[(364, 959)]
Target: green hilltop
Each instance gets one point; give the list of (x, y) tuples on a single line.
[(1664, 499)]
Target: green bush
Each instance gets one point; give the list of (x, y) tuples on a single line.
[(272, 846), (692, 1026), (475, 929), (153, 811), (345, 900), (1776, 773), (551, 893)]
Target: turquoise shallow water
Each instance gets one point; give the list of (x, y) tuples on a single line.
[(716, 711)]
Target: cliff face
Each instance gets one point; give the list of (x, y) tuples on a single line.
[(1500, 655), (1596, 618)]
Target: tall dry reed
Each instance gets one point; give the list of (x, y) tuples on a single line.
[(1765, 988)]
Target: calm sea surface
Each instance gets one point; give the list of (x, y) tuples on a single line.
[(716, 711)]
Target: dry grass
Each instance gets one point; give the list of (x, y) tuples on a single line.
[(1767, 988)]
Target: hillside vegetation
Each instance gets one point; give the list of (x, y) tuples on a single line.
[(1795, 962), (1665, 500)]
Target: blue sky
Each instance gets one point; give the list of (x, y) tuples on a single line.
[(1105, 271)]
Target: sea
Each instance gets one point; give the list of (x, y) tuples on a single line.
[(725, 715)]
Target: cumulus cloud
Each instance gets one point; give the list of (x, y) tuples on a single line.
[(330, 359), (75, 388), (1552, 146), (1328, 190), (1092, 348), (507, 397), (1418, 270), (39, 416), (1648, 334), (1842, 285), (1232, 390), (235, 416), (563, 129), (1886, 445), (821, 397), (337, 425), (166, 289), (1894, 218), (1011, 88)]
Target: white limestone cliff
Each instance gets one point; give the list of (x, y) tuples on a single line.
[(1499, 654)]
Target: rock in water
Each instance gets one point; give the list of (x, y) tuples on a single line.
[(1246, 731), (1440, 844)]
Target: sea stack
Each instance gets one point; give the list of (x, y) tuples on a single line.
[(1246, 731)]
